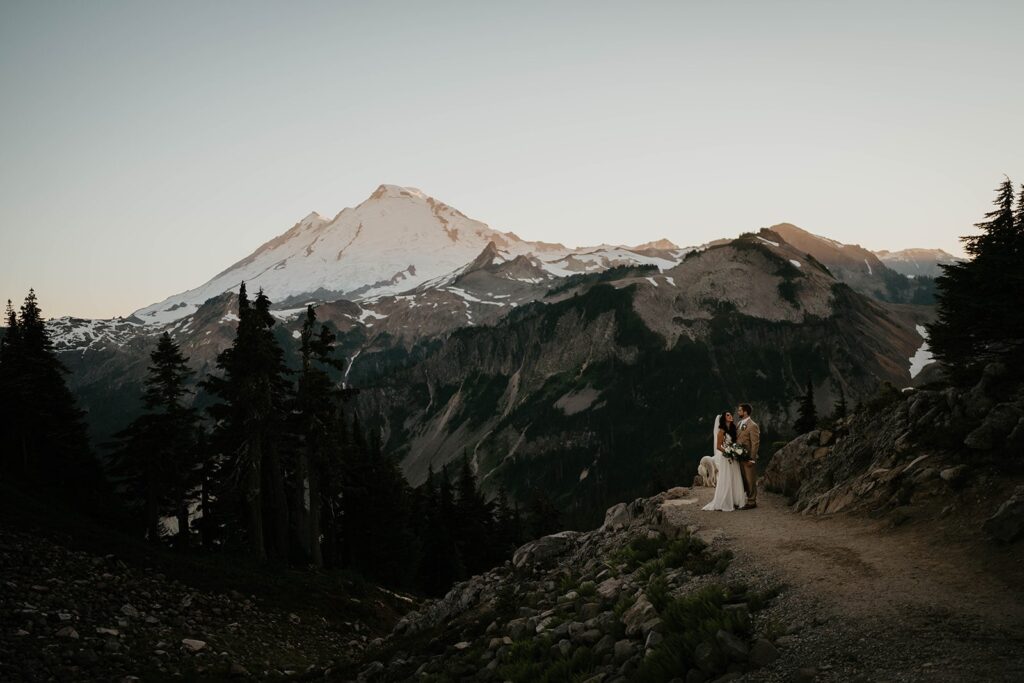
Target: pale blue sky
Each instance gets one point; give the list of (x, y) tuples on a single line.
[(146, 146)]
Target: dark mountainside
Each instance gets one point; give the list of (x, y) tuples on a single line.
[(573, 396)]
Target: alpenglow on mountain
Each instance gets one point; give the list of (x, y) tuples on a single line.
[(396, 240)]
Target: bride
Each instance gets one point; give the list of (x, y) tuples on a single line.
[(729, 494)]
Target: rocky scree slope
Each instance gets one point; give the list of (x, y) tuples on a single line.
[(642, 598), (71, 615)]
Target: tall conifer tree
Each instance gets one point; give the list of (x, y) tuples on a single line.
[(44, 435), (807, 417), (974, 325), (157, 456), (253, 393)]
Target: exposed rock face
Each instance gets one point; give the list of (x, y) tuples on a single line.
[(907, 448)]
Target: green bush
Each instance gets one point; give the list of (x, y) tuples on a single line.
[(688, 622), (532, 660), (657, 593)]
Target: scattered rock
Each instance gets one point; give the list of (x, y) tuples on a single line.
[(609, 588), (543, 550), (954, 476), (640, 613), (67, 632), (734, 648), (705, 658), (624, 649), (372, 670), (762, 653), (806, 675), (604, 646), (193, 645)]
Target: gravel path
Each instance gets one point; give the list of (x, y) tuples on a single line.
[(867, 602)]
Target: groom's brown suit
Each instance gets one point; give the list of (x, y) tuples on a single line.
[(750, 438)]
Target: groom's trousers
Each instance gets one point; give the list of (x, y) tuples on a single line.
[(750, 480)]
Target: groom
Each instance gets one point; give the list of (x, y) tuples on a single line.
[(750, 438)]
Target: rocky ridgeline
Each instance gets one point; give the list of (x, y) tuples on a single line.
[(922, 446), (640, 598), (68, 615)]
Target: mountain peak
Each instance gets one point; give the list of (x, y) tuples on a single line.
[(397, 192), (660, 245)]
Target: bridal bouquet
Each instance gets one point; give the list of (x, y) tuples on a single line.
[(736, 452)]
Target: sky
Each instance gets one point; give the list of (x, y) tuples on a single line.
[(145, 147)]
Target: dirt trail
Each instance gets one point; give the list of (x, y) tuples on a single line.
[(871, 602)]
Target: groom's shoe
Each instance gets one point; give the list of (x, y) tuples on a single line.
[(749, 506)]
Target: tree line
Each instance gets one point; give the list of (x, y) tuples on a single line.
[(277, 467)]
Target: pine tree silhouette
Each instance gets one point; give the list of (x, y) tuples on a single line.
[(807, 417), (250, 419), (839, 409), (157, 455), (974, 325), (317, 414), (46, 444)]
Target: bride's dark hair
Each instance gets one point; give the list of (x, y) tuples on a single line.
[(728, 427)]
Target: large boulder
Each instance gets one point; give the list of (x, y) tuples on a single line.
[(636, 616), (1007, 525), (997, 425), (616, 517), (788, 468), (544, 550)]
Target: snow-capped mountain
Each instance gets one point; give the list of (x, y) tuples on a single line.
[(395, 241), (917, 262)]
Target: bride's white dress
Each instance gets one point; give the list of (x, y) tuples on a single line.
[(729, 493)]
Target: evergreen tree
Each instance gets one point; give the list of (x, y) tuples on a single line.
[(475, 530), (1018, 215), (839, 409), (13, 457), (157, 454), (974, 325), (42, 429), (250, 420), (508, 525), (317, 413), (807, 417), (543, 516), (377, 510), (441, 564)]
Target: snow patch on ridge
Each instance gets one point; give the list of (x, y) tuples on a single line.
[(923, 356)]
